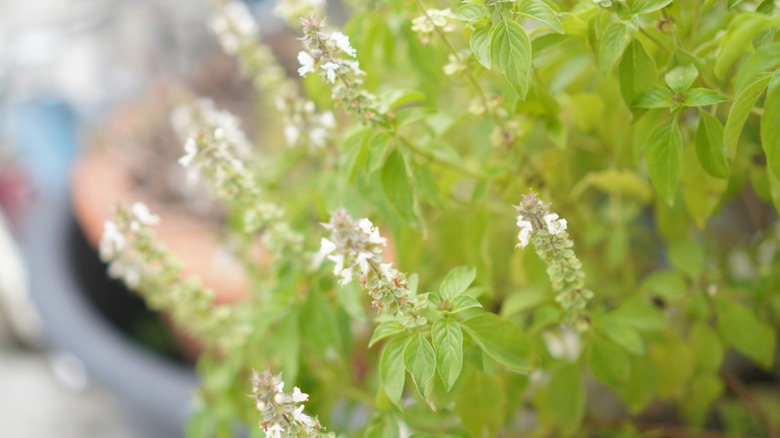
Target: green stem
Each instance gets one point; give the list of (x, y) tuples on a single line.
[(442, 162), (655, 40), (480, 92)]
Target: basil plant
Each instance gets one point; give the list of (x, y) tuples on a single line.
[(487, 218)]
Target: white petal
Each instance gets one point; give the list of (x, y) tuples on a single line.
[(365, 225), (307, 63), (338, 259), (299, 396), (291, 134), (385, 268), (331, 68), (524, 236), (346, 277), (326, 246)]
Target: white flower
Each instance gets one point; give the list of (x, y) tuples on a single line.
[(318, 137), (275, 431), (242, 18), (260, 405), (279, 386), (346, 277), (338, 259), (331, 69), (299, 396), (454, 66), (326, 246), (362, 261), (291, 134), (302, 418), (112, 241), (422, 24), (385, 268), (554, 226), (190, 150), (525, 232), (365, 225), (307, 63), (143, 215), (342, 42), (376, 238), (355, 66), (327, 119), (565, 344)]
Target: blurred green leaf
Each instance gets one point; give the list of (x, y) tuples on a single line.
[(664, 159)]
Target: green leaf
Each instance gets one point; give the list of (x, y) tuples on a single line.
[(611, 46), (709, 146), (353, 154), (470, 12), (567, 397), (665, 284), (708, 347), (614, 181), (287, 345), (701, 192), (639, 314), (664, 159), (384, 330), (739, 35), (681, 78), (704, 389), (480, 45), (687, 256), (739, 112), (464, 302), (766, 59), (637, 72), (382, 425), (658, 97), (420, 360), (641, 387), (457, 281), (377, 149), (541, 11), (480, 404), (609, 363), (675, 363), (731, 3), (770, 124), (703, 97), (510, 50), (409, 115), (321, 328), (774, 188), (448, 345), (742, 329), (505, 342), (625, 336), (398, 96), (397, 186), (647, 6), (392, 371)]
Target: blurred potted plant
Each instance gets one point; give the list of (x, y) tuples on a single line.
[(626, 115)]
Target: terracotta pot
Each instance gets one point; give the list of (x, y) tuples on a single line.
[(100, 183)]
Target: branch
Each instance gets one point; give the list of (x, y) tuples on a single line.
[(740, 390)]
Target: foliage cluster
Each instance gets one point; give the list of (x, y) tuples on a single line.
[(652, 127)]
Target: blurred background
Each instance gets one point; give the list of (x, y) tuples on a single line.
[(79, 356)]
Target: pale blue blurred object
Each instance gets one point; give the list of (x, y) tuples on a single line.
[(46, 136)]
